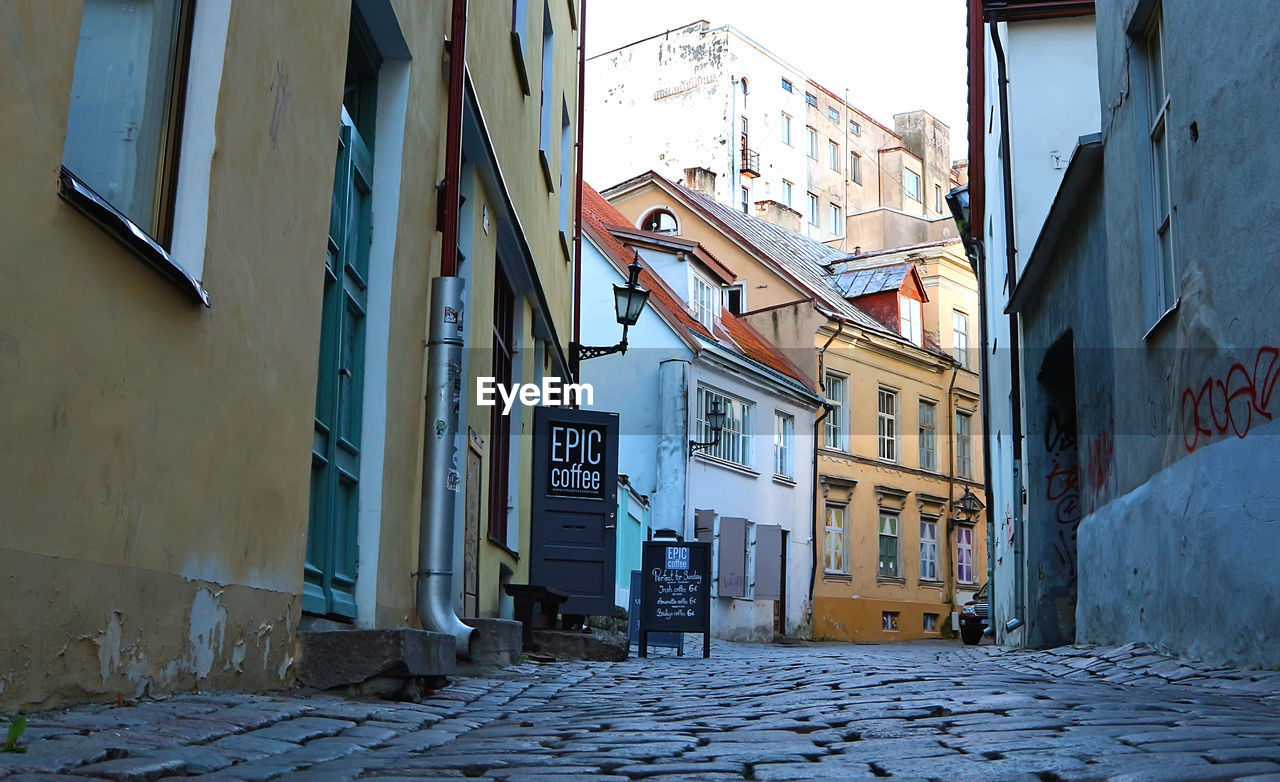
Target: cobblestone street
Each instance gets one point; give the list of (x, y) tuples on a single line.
[(928, 710)]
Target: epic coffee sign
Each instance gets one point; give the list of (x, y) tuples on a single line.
[(576, 460)]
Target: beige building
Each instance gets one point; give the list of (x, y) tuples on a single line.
[(898, 445), (783, 146), (214, 424)]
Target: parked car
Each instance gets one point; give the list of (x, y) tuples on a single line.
[(975, 615)]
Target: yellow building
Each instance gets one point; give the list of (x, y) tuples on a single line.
[(898, 444), (214, 424)]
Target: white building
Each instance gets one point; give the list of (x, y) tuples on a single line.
[(782, 146), (751, 492)]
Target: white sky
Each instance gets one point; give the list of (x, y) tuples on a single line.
[(905, 55)]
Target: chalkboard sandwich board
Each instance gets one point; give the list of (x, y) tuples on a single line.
[(676, 590)]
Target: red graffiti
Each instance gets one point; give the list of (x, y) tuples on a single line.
[(1230, 404), (1061, 481), (1101, 456)]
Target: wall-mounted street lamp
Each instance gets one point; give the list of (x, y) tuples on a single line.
[(628, 303), (968, 507), (715, 420)]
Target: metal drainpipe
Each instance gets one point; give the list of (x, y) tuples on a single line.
[(440, 469), (826, 410), (575, 370), (1015, 371)]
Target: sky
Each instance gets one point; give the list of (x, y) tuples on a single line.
[(906, 55)]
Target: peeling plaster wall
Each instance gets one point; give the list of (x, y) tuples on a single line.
[(156, 451)]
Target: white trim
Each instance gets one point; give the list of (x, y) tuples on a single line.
[(199, 138), (393, 105)]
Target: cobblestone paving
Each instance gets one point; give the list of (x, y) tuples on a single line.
[(930, 710)]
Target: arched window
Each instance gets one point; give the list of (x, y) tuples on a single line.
[(660, 221), (745, 89)]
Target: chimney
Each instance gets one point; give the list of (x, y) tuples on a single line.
[(701, 180), (779, 214)]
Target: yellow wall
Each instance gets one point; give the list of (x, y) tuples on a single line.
[(154, 448)]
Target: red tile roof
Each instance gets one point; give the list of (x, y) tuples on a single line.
[(599, 217)]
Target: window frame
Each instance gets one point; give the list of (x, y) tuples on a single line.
[(788, 85), (787, 187), (736, 438), (928, 434), (894, 569), (1159, 168), (960, 338), (835, 433), (887, 426), (854, 127), (833, 114), (911, 319), (855, 167), (833, 155), (811, 142), (964, 439), (702, 307), (910, 176), (812, 202), (810, 99), (745, 192), (964, 543), (784, 128), (837, 220), (929, 549), (834, 540), (784, 432)]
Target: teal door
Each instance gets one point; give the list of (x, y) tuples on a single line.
[(329, 584)]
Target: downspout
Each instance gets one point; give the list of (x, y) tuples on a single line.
[(1015, 370), (817, 424), (953, 575), (577, 223), (445, 344)]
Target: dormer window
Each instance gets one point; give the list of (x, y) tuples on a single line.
[(912, 320), (704, 300), (660, 221)]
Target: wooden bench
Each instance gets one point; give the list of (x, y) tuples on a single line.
[(548, 600)]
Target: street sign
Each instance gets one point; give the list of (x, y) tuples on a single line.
[(676, 590)]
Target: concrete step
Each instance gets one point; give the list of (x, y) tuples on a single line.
[(335, 658)]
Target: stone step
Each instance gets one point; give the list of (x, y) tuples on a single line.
[(336, 658)]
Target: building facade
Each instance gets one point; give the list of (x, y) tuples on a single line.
[(782, 146), (1145, 359), (893, 556), (214, 438), (746, 490)]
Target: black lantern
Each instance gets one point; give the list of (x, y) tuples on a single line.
[(968, 507), (628, 303), (714, 418)]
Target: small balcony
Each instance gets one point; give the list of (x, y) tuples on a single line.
[(750, 163)]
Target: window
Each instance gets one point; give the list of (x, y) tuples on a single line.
[(833, 113), (855, 168), (519, 23), (960, 334), (784, 430), (703, 300), (833, 432), (855, 128), (928, 550), (126, 109), (931, 623), (745, 194), (833, 155), (813, 209), (911, 184), (888, 425), (889, 621), (964, 463), (928, 436), (937, 198), (499, 424), (810, 99), (786, 192), (833, 541), (735, 438), (785, 129), (566, 173), (1161, 194), (736, 299), (548, 84), (964, 555), (811, 140), (911, 320), (788, 86), (660, 221), (888, 546), (837, 224)]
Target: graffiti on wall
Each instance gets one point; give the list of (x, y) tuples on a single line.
[(1231, 403), (1100, 457), (1062, 488)]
